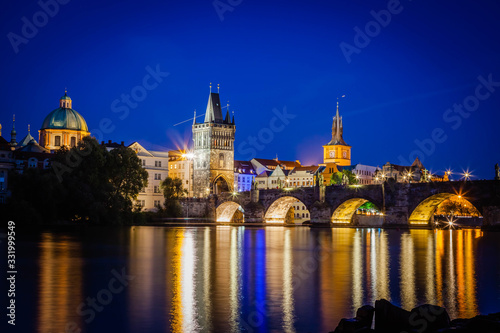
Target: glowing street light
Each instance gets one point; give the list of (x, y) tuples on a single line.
[(466, 175)]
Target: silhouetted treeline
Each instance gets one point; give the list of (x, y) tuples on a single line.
[(86, 184)]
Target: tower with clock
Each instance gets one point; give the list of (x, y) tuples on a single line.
[(337, 150)]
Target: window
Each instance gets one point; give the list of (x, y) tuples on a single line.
[(57, 141), (32, 163), (156, 189), (158, 164), (73, 141), (143, 162)]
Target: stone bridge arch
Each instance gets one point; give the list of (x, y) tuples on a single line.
[(229, 212), (277, 211), (344, 209), (423, 213)]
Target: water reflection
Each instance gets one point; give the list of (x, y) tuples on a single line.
[(263, 279), (60, 284)]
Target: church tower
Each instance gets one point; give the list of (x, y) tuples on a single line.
[(213, 150), (337, 151)]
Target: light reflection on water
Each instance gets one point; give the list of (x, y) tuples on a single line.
[(258, 279)]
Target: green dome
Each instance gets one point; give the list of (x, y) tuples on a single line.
[(64, 118), (66, 97)]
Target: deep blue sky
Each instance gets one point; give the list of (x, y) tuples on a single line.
[(266, 55)]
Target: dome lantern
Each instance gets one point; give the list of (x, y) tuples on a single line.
[(65, 101)]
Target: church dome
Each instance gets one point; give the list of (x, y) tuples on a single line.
[(65, 117)]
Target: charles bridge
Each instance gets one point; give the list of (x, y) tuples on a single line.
[(401, 204)]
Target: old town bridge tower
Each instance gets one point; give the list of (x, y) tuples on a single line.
[(213, 150)]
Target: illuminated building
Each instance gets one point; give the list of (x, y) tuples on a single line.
[(337, 150), (63, 127), (213, 150), (156, 164), (363, 173), (244, 176), (272, 179), (304, 176), (400, 173), (180, 165)]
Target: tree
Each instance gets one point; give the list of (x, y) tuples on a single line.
[(172, 191), (129, 177), (87, 183), (337, 178)]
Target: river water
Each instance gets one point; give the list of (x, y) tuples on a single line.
[(253, 279)]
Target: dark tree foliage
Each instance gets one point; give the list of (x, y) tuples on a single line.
[(172, 191), (87, 184), (337, 178)]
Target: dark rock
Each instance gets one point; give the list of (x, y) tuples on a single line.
[(429, 318), (365, 315), (390, 318), (486, 324), (347, 326)]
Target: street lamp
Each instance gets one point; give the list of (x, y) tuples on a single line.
[(466, 175)]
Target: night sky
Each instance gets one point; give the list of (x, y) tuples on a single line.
[(267, 55)]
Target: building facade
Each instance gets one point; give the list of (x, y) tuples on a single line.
[(304, 176), (213, 150), (244, 176), (400, 173), (364, 173), (180, 165), (156, 164), (62, 127), (337, 150)]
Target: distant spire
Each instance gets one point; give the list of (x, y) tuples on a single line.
[(233, 118), (13, 134), (194, 118), (28, 128), (210, 87), (218, 87), (337, 128)]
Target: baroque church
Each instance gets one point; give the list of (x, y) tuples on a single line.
[(213, 148), (63, 126)]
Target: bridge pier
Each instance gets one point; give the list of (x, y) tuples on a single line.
[(491, 216), (396, 216), (321, 213)]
